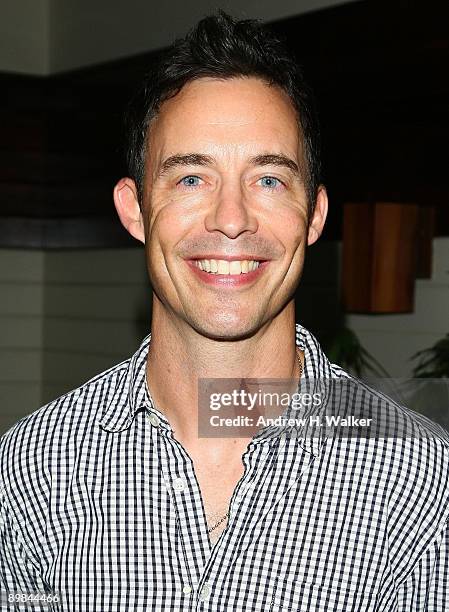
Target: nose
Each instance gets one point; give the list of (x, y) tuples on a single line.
[(230, 213)]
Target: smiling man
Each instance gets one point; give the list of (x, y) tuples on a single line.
[(110, 500)]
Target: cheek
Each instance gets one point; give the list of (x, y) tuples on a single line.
[(290, 228), (169, 224)]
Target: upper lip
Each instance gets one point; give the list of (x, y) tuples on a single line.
[(228, 257)]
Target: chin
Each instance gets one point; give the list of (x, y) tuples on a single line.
[(226, 328)]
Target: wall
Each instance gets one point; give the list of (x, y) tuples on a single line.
[(41, 37), (66, 316), (97, 310), (85, 32), (21, 333), (25, 36), (392, 339)]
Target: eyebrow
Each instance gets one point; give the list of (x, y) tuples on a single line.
[(189, 159), (198, 159), (271, 159)]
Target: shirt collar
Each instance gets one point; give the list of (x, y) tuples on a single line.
[(130, 393)]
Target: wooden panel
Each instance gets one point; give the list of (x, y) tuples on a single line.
[(357, 255), (393, 280), (379, 257)]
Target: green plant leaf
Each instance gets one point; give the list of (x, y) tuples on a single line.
[(433, 362)]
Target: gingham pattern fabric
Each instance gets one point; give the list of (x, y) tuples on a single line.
[(100, 505)]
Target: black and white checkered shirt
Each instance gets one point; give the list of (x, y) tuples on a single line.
[(100, 505)]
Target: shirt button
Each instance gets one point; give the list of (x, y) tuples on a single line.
[(205, 592), (154, 419), (179, 484), (187, 589)]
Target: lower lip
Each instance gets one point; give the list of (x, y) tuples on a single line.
[(228, 280)]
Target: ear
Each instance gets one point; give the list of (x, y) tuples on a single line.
[(319, 216), (128, 209)]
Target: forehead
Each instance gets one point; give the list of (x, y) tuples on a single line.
[(238, 114)]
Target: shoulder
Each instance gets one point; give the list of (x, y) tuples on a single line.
[(27, 448), (396, 417), (412, 453)]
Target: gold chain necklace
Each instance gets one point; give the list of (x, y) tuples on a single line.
[(218, 523)]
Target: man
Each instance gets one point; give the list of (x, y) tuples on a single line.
[(110, 499)]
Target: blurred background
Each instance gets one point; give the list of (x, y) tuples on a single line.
[(75, 298)]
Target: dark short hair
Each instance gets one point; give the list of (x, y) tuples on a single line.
[(222, 47)]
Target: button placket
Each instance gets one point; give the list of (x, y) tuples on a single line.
[(157, 419), (154, 419), (205, 591), (248, 482), (179, 484), (179, 476)]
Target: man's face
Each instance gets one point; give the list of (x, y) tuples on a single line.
[(225, 205)]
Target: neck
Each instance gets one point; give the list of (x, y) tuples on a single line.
[(179, 355)]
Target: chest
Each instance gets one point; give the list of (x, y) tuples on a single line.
[(217, 484), (296, 532), (216, 487)]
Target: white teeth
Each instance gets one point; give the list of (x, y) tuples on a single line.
[(235, 267), (222, 266)]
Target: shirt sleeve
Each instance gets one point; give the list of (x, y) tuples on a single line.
[(427, 588), (17, 574)]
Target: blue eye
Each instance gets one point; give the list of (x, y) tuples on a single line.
[(190, 181), (270, 182)]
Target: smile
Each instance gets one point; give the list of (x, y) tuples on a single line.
[(228, 273), (222, 266)]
